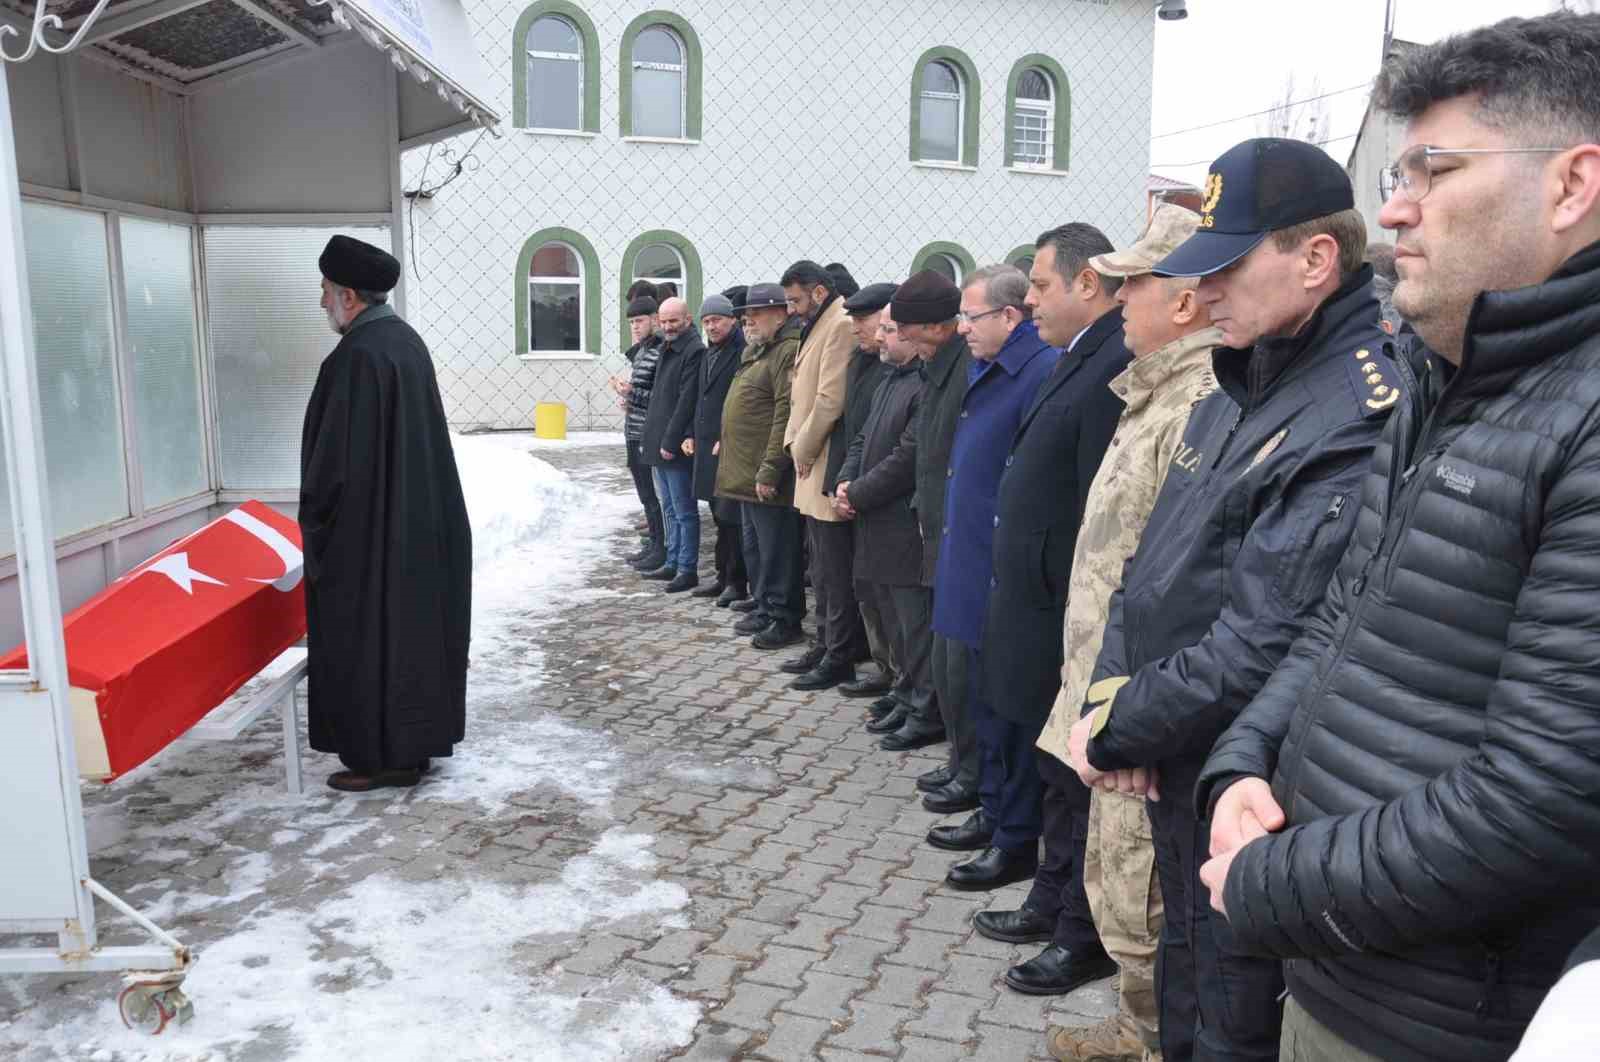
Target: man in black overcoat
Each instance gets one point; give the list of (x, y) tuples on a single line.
[(725, 347), (388, 549)]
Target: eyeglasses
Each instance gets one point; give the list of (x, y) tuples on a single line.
[(1412, 173), (974, 318)]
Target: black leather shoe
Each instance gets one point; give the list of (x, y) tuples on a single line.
[(889, 723), (882, 706), (650, 561), (662, 574), (826, 675), (777, 635), (937, 778), (713, 590), (754, 623), (647, 547), (973, 835), (914, 733), (951, 798), (994, 868), (748, 604), (803, 663), (731, 596), (1057, 971), (1024, 926), (872, 684), (683, 581)]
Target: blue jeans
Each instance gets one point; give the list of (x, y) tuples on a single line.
[(680, 513)]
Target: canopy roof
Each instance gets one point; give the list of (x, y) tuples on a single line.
[(183, 44)]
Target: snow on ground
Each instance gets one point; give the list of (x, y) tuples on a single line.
[(308, 953)]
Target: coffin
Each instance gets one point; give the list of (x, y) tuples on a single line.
[(156, 650)]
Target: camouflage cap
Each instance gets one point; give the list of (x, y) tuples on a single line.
[(1169, 227)]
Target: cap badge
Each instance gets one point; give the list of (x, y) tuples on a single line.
[(1213, 197)]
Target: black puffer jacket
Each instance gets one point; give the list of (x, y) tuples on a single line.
[(645, 356), (1256, 510), (1434, 738)]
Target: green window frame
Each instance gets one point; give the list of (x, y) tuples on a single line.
[(969, 103), (951, 250), (1061, 120), (591, 288), (590, 121), (693, 60), (691, 266), (1026, 250)]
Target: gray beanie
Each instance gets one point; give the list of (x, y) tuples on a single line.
[(717, 305)]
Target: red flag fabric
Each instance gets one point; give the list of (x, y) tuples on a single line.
[(156, 650)]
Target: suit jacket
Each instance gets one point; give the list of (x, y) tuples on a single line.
[(817, 402), (1054, 456), (717, 367)]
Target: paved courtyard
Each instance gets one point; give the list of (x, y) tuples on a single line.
[(746, 848)]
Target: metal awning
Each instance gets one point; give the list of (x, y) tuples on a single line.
[(181, 45)]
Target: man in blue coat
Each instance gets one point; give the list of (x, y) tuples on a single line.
[(1010, 362)]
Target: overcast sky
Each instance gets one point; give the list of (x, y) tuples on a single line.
[(1231, 57)]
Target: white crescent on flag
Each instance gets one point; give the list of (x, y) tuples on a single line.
[(293, 560)]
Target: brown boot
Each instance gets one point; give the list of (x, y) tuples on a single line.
[(1105, 1042)]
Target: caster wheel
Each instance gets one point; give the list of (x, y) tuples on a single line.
[(144, 1009)]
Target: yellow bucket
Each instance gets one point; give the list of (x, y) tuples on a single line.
[(550, 420)]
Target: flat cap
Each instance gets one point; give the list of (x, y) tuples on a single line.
[(870, 299), (926, 298), (643, 306), (351, 263), (1169, 226), (763, 296), (716, 306)]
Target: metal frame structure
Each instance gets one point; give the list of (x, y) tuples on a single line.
[(48, 887)]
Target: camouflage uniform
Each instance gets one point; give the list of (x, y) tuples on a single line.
[(1159, 390)]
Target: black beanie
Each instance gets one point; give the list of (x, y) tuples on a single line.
[(643, 306), (926, 298)]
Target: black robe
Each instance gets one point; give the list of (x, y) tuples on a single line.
[(388, 553)]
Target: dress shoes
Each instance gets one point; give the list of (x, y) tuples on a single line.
[(663, 574), (914, 733), (1022, 926), (714, 590), (937, 778), (872, 684), (826, 675), (1055, 971), (652, 559), (683, 581), (882, 706), (777, 635), (951, 798), (744, 604), (803, 663), (889, 723), (994, 868), (972, 835), (732, 595), (389, 778), (754, 623)]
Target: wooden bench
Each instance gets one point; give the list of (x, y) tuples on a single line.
[(234, 716)]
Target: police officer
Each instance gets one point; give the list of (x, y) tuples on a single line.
[(1259, 502)]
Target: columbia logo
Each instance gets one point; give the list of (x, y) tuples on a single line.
[(1460, 482)]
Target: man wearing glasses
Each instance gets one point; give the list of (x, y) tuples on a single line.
[(1010, 362), (1408, 812)]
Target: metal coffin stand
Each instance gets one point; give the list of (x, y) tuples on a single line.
[(46, 887)]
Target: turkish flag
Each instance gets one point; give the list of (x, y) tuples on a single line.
[(166, 643)]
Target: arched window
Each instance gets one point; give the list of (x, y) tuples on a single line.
[(944, 109), (557, 292), (948, 259), (941, 113), (660, 256), (660, 82), (555, 81), (1038, 115), (1022, 257)]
